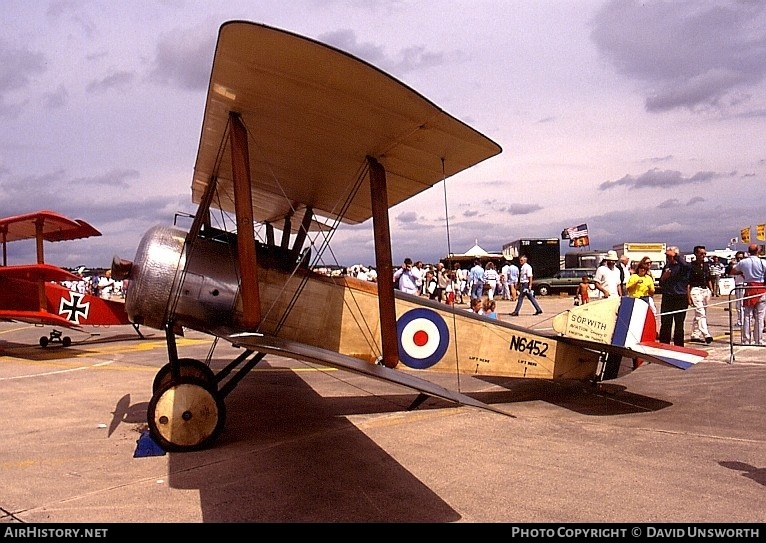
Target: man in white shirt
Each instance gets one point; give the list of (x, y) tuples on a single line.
[(405, 278), (106, 285), (753, 270), (419, 274), (525, 287), (607, 277), (504, 271), (607, 281)]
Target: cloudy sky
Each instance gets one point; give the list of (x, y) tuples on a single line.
[(643, 119)]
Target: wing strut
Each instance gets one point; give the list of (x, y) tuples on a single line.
[(39, 225), (383, 261), (286, 231), (243, 204), (300, 236)]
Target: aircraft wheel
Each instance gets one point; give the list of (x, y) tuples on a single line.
[(43, 341), (67, 341), (189, 368), (186, 415)]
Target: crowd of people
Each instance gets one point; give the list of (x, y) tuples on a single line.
[(478, 286), (686, 287), (97, 284)]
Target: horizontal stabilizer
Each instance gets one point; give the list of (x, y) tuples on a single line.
[(678, 357), (301, 351)]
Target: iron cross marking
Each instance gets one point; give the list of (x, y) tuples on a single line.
[(73, 308)]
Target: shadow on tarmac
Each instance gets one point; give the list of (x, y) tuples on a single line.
[(751, 472), (607, 399)]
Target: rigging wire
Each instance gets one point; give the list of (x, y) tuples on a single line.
[(449, 252), (361, 173)]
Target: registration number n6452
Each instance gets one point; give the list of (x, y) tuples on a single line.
[(530, 346)]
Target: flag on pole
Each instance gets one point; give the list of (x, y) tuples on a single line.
[(760, 232), (577, 231), (745, 235)]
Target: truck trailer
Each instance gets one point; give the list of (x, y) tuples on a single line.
[(635, 251), (543, 254)]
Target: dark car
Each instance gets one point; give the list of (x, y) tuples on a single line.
[(566, 280)]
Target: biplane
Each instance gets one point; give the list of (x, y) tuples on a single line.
[(298, 137), (34, 294)]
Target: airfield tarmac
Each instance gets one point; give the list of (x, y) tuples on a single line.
[(308, 444)]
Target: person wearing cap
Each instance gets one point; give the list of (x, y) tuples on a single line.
[(608, 283), (674, 283), (607, 277)]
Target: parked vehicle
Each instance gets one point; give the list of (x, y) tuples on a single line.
[(584, 259), (566, 280)]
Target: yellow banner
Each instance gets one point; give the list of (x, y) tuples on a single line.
[(645, 247), (744, 235), (760, 232)]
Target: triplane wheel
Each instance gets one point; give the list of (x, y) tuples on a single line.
[(55, 336), (189, 368), (186, 415)]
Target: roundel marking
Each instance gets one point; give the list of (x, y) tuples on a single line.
[(423, 338)]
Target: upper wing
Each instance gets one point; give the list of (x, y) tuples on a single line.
[(313, 114), (301, 351), (51, 226)]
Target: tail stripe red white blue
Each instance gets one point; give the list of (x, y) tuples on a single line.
[(635, 323)]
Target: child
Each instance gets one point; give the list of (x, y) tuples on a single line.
[(582, 291), (475, 306), (488, 308)]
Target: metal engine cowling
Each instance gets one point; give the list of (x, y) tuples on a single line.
[(197, 286)]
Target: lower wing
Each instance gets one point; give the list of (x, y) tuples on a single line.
[(36, 317), (301, 351)]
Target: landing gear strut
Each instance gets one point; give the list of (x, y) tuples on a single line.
[(187, 410)]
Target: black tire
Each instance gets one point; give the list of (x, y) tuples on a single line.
[(44, 342), (186, 415), (67, 341), (189, 368), (543, 290)]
